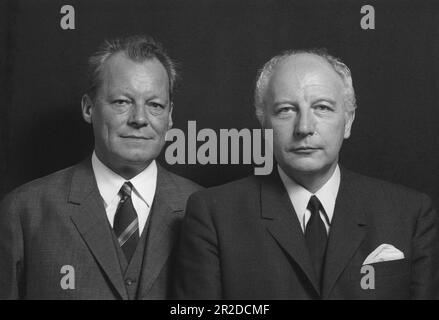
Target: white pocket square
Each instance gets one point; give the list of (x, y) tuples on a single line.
[(384, 252)]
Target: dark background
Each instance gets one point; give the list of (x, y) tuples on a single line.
[(220, 45)]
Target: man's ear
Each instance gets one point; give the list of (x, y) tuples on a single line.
[(170, 123), (87, 108), (350, 117), (260, 116)]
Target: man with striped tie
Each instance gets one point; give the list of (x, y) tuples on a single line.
[(104, 228)]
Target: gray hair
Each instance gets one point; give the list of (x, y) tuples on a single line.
[(137, 48), (265, 73)]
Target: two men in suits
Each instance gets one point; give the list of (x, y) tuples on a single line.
[(104, 228), (312, 229)]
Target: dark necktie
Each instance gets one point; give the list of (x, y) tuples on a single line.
[(316, 237), (126, 224)]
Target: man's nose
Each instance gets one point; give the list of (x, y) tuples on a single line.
[(138, 116), (305, 124)]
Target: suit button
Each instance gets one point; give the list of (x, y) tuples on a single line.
[(129, 281)]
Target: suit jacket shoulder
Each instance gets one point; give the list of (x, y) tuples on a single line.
[(30, 196), (397, 201), (237, 196), (371, 192), (49, 183), (372, 184), (185, 186), (57, 184), (237, 190)]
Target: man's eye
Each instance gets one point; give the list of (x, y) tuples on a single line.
[(156, 108), (121, 102), (157, 105), (323, 107), (284, 110)]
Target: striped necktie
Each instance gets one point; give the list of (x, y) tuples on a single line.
[(126, 224)]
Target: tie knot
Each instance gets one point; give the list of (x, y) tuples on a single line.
[(314, 204), (125, 190)]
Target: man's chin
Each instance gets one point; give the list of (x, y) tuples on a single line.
[(137, 159), (302, 166)]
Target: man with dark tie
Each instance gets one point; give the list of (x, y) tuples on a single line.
[(106, 227), (312, 229)]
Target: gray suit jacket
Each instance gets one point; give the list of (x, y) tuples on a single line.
[(57, 224), (243, 240)]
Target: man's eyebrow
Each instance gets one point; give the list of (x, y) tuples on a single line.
[(283, 101), (119, 90), (156, 96), (325, 99), (321, 96), (119, 95)]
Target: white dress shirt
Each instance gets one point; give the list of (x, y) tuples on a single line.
[(299, 197), (142, 195)]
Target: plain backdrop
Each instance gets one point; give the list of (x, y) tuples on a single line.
[(219, 46)]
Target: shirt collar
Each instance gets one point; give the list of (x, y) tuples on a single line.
[(300, 196), (109, 182)]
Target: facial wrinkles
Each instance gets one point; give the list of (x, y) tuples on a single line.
[(319, 85), (318, 93), (138, 83), (118, 85), (147, 87)]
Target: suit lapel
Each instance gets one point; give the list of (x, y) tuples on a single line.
[(347, 232), (167, 210), (284, 225), (91, 222)]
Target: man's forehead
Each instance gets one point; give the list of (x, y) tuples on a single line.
[(120, 60), (120, 68), (305, 71), (311, 65)]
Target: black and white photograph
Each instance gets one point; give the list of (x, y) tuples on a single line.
[(215, 150)]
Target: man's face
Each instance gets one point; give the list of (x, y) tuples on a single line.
[(304, 107), (130, 113)]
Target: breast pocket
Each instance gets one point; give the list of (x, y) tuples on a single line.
[(393, 268), (383, 280)]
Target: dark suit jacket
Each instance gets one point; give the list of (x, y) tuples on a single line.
[(60, 220), (243, 241)]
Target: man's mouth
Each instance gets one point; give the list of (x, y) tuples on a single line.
[(136, 137), (304, 149)]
